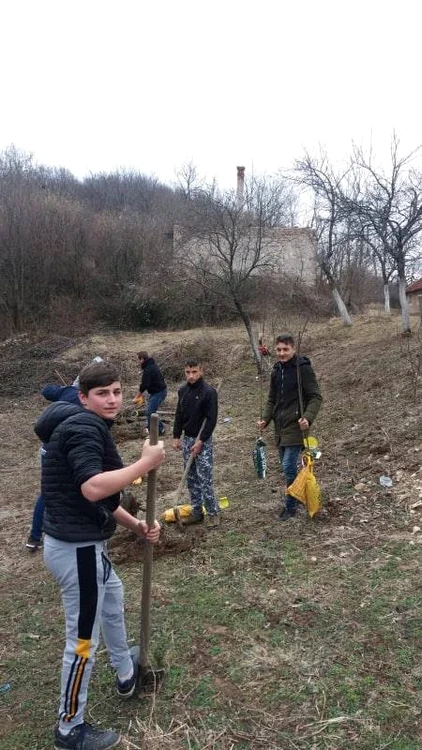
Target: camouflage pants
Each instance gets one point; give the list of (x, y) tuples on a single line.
[(200, 481)]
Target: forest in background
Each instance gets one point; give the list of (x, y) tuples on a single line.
[(100, 252)]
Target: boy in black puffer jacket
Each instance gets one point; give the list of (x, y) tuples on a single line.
[(82, 475)]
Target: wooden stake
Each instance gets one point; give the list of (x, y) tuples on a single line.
[(56, 372)]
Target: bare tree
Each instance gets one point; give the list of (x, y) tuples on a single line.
[(382, 261), (24, 264), (225, 242), (272, 200), (188, 181), (328, 217), (390, 211)]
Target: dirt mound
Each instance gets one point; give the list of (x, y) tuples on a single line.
[(127, 548), (216, 357)]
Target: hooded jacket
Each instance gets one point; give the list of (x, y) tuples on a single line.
[(283, 399), (78, 446), (67, 393), (61, 393), (152, 378)]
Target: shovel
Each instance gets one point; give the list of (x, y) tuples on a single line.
[(149, 679)]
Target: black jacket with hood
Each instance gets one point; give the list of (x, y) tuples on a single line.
[(283, 400), (78, 446), (152, 378)]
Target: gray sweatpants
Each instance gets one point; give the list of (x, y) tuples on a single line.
[(92, 596)]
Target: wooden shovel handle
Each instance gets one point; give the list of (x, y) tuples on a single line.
[(148, 555)]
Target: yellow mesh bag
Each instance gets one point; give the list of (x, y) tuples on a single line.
[(186, 510), (169, 517), (298, 488), (313, 493), (306, 489)]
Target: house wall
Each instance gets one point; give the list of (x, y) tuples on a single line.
[(289, 251), (293, 252), (414, 302)]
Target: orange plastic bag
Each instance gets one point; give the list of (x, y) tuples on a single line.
[(306, 489)]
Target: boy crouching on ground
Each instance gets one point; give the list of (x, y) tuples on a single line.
[(82, 475)]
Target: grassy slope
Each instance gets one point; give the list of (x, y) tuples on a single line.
[(274, 636)]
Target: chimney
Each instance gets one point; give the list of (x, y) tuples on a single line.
[(240, 186)]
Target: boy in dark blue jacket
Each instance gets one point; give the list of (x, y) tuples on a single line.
[(52, 393)]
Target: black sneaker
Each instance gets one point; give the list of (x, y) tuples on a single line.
[(127, 688), (212, 522), (33, 544), (192, 519), (286, 515), (86, 737)]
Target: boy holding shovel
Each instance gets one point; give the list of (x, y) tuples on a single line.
[(196, 418), (82, 475), (284, 408)]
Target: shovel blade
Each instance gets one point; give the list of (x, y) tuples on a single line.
[(150, 681)]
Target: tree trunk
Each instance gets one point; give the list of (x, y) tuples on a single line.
[(387, 308), (248, 325), (404, 306), (341, 307)]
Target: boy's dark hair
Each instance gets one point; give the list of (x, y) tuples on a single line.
[(97, 374), (143, 354), (285, 338), (193, 362)]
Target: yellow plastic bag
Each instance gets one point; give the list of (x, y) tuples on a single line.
[(186, 510), (306, 489)]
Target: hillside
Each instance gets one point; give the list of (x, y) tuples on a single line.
[(303, 635)]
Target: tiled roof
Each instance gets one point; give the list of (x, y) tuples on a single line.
[(415, 287)]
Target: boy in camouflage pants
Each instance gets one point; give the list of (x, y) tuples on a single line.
[(196, 417)]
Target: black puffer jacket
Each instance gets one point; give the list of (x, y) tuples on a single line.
[(79, 446)]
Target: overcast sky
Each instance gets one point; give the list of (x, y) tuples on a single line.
[(94, 85)]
